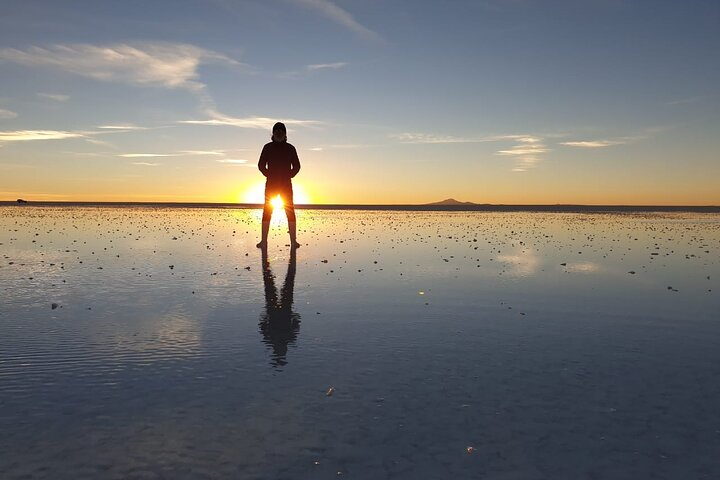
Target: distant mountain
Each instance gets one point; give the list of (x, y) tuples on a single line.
[(451, 201)]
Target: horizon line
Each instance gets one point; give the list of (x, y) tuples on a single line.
[(466, 206)]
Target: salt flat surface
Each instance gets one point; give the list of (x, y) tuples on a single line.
[(141, 342)]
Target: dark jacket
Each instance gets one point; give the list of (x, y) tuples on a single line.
[(279, 162)]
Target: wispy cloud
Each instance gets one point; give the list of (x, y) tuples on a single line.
[(30, 135), (121, 127), (157, 64), (597, 143), (532, 139), (145, 155), (339, 16), (312, 69), (54, 96), (7, 114), (432, 138), (36, 135), (527, 153), (340, 146), (520, 150), (203, 152), (235, 162), (264, 123), (641, 135), (146, 164), (526, 162), (326, 66), (187, 153), (97, 141)]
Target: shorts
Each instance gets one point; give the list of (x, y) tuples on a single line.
[(285, 191), (272, 190)]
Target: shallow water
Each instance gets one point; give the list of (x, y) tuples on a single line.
[(176, 351)]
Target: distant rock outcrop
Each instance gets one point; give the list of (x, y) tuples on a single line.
[(451, 201), (20, 200)]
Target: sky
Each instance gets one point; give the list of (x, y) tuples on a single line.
[(387, 102)]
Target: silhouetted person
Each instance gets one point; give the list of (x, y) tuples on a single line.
[(279, 325), (279, 162)]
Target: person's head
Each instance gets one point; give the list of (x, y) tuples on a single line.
[(279, 133)]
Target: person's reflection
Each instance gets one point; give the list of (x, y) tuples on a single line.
[(279, 325)]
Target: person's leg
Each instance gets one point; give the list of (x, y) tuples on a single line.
[(290, 213), (267, 215)]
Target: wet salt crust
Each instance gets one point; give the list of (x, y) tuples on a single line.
[(393, 345)]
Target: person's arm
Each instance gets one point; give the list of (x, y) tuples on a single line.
[(294, 164), (262, 163)]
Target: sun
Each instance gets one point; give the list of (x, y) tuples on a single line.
[(256, 194), (277, 202)]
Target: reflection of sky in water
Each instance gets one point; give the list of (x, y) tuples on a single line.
[(522, 264), (583, 267), (175, 347), (169, 336)]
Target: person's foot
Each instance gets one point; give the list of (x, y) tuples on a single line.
[(261, 245)]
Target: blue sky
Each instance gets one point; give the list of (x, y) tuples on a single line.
[(504, 101)]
